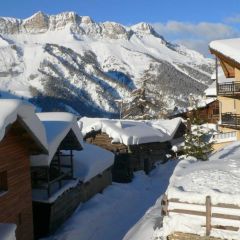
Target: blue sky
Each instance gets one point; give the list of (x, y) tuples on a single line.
[(191, 22)]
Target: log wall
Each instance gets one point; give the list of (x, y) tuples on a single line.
[(138, 157), (16, 202)]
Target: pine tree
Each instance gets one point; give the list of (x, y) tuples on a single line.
[(197, 143), (137, 106), (145, 102)]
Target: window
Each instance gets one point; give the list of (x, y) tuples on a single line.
[(3, 181), (215, 110)]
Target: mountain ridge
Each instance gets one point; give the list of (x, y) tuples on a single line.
[(67, 56)]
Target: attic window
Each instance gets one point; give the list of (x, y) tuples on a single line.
[(3, 181)]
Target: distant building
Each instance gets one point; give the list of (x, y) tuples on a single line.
[(21, 135), (227, 89), (207, 110), (137, 145)]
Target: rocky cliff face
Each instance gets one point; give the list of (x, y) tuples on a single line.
[(72, 63)]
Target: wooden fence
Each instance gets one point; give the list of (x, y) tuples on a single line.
[(208, 213)]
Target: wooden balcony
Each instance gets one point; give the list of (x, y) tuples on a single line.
[(230, 119), (229, 89)]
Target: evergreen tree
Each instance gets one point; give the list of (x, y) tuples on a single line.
[(197, 142), (145, 102), (137, 106)]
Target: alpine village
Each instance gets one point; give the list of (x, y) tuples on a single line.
[(112, 132)]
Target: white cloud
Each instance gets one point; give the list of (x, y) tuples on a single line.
[(233, 19), (195, 36)]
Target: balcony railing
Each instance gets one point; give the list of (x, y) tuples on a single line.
[(225, 137), (228, 89), (231, 119)]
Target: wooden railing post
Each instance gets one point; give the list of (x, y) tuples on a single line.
[(164, 205), (208, 215)]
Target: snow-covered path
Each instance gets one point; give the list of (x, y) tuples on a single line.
[(110, 215)]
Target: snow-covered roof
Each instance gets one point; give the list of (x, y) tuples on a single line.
[(228, 47), (169, 126), (7, 231), (132, 132), (91, 161), (11, 109), (57, 126), (204, 102)]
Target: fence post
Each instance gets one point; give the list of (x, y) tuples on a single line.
[(208, 215), (164, 205)]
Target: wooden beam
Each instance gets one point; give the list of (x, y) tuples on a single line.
[(208, 215)]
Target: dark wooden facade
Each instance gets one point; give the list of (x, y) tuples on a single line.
[(130, 158), (51, 179), (16, 199), (49, 216)]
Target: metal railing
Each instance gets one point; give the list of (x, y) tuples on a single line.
[(230, 119), (225, 137), (231, 88)]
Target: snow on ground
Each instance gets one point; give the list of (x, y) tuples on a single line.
[(110, 215), (7, 231), (149, 227), (193, 180)]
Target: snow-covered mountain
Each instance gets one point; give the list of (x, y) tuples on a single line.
[(70, 62)]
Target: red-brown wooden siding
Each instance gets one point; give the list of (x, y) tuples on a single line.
[(14, 158)]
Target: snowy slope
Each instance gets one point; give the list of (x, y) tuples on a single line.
[(83, 66)]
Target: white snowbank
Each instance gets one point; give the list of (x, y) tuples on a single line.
[(57, 126), (193, 180), (91, 161), (148, 226), (11, 109), (132, 132), (228, 47), (7, 231)]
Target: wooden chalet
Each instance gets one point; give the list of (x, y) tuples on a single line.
[(136, 144), (52, 173), (207, 111), (69, 174), (227, 89), (21, 135)]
